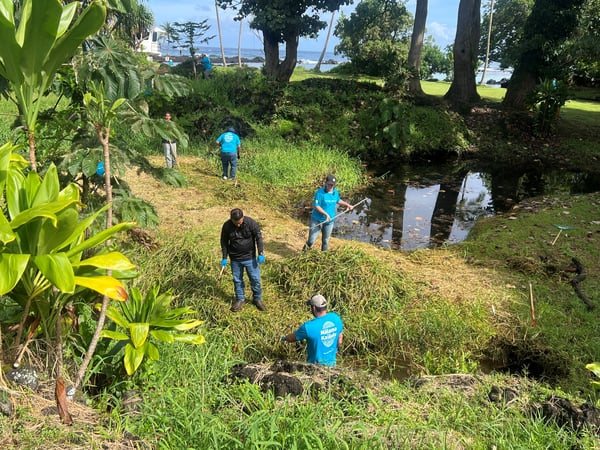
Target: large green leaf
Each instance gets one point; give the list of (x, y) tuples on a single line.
[(55, 238), (10, 50), (12, 267), (36, 34), (112, 261), (114, 314), (47, 190), (133, 358), (109, 286), (152, 351), (99, 238), (116, 335), (58, 270), (5, 154), (6, 232), (87, 23), (139, 333), (162, 335), (47, 210), (195, 339)]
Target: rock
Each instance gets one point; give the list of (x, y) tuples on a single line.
[(6, 405), (24, 376), (564, 413)]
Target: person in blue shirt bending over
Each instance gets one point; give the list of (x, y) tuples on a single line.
[(206, 66), (325, 204), (230, 152), (323, 334)]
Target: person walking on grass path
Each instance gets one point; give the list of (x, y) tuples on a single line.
[(325, 204), (230, 152), (241, 239), (323, 334), (170, 148)]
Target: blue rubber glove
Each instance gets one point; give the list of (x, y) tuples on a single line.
[(261, 259), (223, 262), (283, 338)]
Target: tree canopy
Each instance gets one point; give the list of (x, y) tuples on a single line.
[(376, 36), (283, 22)]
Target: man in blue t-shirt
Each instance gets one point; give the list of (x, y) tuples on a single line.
[(206, 66), (325, 204), (230, 152), (323, 334)]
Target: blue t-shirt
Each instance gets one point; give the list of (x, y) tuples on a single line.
[(321, 335), (326, 200), (206, 63), (229, 142)]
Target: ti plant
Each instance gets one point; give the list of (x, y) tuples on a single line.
[(44, 253), (145, 320), (35, 43), (595, 369)]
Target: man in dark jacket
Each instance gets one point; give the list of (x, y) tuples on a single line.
[(241, 239)]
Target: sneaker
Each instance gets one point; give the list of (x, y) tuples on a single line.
[(259, 305), (224, 177), (237, 306)]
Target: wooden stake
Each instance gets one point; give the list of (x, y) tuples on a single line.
[(532, 308)]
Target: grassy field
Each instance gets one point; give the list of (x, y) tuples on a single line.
[(457, 312)]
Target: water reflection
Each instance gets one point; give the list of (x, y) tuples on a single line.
[(408, 210)]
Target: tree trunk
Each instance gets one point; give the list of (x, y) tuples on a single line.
[(463, 90), (220, 35), (240, 43), (318, 66), (281, 71), (489, 39), (522, 82), (416, 49), (103, 137)]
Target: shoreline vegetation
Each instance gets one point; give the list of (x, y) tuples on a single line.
[(482, 344)]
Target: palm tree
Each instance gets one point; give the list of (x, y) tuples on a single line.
[(220, 34), (318, 66), (170, 35), (489, 38)]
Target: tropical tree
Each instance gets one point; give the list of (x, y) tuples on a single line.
[(434, 60), (488, 42), (416, 49), (132, 23), (463, 90), (192, 32), (375, 36), (169, 36), (220, 34), (35, 45), (322, 55), (550, 24), (283, 22), (506, 31)]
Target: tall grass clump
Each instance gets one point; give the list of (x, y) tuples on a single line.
[(272, 160)]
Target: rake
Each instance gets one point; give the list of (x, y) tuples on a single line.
[(560, 230)]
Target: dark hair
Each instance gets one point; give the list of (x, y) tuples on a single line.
[(236, 214)]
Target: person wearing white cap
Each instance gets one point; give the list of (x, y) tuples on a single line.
[(325, 204), (323, 334)]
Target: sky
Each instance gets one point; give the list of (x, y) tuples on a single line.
[(441, 22)]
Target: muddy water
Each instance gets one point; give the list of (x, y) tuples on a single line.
[(430, 205)]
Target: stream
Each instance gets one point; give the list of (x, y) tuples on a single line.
[(427, 206)]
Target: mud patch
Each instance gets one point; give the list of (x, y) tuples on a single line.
[(540, 363)]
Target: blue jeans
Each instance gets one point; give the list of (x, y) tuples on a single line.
[(170, 149), (229, 159), (314, 231), (253, 271)]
